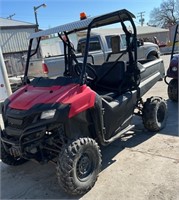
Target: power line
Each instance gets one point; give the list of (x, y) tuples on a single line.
[(141, 20), (10, 16)]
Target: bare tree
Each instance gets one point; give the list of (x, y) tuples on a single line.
[(166, 15)]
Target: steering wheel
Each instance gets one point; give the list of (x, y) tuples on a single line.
[(90, 75)]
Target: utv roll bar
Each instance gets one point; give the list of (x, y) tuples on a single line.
[(119, 16), (174, 40)]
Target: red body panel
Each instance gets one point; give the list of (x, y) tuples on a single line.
[(79, 97)]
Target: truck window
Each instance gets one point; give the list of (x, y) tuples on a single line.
[(108, 39), (94, 44), (123, 41)]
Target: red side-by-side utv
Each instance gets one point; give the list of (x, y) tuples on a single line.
[(66, 119)]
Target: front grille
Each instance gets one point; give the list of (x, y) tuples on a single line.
[(19, 123)]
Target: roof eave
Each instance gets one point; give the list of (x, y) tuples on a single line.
[(17, 27)]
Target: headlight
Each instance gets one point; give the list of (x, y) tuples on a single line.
[(174, 69), (48, 114)]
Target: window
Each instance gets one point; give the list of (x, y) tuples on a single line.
[(122, 44), (94, 44), (108, 39)]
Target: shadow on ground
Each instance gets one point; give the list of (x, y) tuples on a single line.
[(35, 181), (172, 121), (140, 135)]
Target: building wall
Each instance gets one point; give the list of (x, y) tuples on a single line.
[(14, 43), (15, 40), (15, 63), (162, 37)]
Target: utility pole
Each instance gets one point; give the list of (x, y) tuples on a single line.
[(35, 13), (10, 16), (141, 20)]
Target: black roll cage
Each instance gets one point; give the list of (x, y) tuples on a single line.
[(174, 40), (107, 19)]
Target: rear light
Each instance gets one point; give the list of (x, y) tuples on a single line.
[(174, 69), (45, 68)]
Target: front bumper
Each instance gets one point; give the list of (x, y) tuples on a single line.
[(30, 143), (25, 142)]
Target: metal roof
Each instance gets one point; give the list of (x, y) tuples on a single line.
[(98, 21), (67, 27), (140, 30), (149, 29), (5, 23)]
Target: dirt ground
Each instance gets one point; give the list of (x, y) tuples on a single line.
[(139, 166)]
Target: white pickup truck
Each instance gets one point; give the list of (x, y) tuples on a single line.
[(99, 50), (100, 47)]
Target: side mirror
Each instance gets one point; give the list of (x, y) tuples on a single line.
[(115, 44), (140, 42), (82, 47)]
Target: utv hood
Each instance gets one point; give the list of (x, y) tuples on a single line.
[(79, 97)]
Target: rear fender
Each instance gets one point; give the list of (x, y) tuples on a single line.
[(152, 53)]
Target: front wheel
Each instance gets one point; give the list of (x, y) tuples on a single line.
[(173, 90), (79, 165), (154, 114)]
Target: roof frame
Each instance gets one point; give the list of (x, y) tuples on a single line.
[(94, 22)]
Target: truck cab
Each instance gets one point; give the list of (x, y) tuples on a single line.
[(100, 47)]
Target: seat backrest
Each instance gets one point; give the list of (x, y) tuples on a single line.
[(111, 74)]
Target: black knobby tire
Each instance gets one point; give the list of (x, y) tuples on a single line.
[(11, 160), (173, 90), (154, 114), (79, 165)]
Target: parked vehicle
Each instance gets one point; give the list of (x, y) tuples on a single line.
[(172, 71), (66, 119), (100, 49)]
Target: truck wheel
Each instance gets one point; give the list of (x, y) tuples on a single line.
[(79, 165), (154, 114), (173, 90), (152, 57), (10, 160)]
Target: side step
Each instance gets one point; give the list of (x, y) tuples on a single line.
[(118, 135)]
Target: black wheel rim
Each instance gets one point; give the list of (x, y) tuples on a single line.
[(161, 114), (85, 167)]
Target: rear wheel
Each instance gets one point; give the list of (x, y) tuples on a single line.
[(10, 160), (154, 113), (173, 90), (79, 165)]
